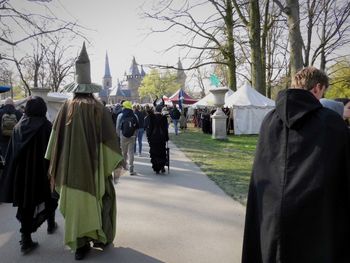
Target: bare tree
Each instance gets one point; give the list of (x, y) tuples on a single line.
[(291, 9), (202, 38), (17, 26), (59, 64), (332, 24)]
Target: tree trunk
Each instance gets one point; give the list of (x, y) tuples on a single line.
[(255, 47), (323, 38), (264, 49), (231, 59), (295, 39)]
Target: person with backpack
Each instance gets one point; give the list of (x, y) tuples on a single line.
[(127, 127), (175, 116), (9, 117)]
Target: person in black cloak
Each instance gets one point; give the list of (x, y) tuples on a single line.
[(157, 135), (298, 207), (25, 181)]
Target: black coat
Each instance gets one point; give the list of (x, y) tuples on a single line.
[(157, 135), (24, 181), (298, 208)]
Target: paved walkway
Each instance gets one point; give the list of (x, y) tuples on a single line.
[(180, 217)]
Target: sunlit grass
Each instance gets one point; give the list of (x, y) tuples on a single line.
[(228, 163)]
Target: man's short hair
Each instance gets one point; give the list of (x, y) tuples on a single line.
[(308, 77)]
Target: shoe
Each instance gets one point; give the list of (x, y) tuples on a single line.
[(140, 155), (27, 244), (81, 252), (132, 173), (100, 245), (52, 228), (162, 170), (157, 172)]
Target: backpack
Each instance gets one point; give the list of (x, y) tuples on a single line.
[(128, 126), (8, 122)]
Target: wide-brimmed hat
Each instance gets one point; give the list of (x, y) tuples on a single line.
[(82, 82)]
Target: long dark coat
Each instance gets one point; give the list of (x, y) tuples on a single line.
[(157, 135), (298, 208), (24, 181)]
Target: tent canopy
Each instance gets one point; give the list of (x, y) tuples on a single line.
[(186, 98), (4, 88), (208, 100), (247, 96), (249, 109)]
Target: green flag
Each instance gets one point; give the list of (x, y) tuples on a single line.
[(214, 80)]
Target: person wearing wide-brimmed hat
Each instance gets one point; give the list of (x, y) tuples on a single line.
[(83, 150)]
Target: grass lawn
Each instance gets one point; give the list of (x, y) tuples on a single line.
[(228, 163)]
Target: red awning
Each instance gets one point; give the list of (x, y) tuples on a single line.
[(186, 98)]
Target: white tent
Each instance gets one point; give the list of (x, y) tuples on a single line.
[(208, 100), (249, 109)]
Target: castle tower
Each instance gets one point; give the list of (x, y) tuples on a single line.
[(181, 76), (106, 81), (134, 79)]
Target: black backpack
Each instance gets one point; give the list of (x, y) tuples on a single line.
[(8, 122), (129, 126)]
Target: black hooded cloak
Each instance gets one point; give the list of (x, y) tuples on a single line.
[(298, 206), (157, 135), (24, 181)]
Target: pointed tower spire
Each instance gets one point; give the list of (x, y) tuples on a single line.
[(143, 73), (107, 70), (179, 64), (181, 76), (134, 70)]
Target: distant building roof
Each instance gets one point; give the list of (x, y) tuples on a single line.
[(143, 73), (134, 70), (121, 90)]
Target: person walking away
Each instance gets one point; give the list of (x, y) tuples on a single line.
[(157, 135), (9, 117), (24, 181), (127, 127), (83, 152), (175, 116), (141, 119), (298, 207), (183, 119)]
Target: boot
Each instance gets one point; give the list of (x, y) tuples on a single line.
[(51, 224), (81, 252), (27, 244)]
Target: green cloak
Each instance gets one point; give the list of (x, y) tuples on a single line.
[(83, 151)]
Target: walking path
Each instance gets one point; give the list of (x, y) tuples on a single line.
[(180, 217)]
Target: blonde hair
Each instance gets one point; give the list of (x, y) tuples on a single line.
[(78, 100), (308, 77)]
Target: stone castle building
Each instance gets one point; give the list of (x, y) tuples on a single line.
[(128, 87)]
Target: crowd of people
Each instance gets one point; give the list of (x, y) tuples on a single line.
[(298, 200)]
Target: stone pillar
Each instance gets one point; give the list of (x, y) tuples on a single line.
[(219, 117), (41, 92)]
